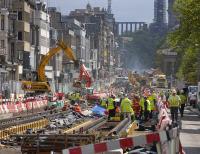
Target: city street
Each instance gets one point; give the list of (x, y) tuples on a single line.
[(190, 133)]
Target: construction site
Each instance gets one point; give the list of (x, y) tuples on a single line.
[(81, 123), (87, 83)]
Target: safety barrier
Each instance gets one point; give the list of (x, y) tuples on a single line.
[(125, 143), (19, 107), (20, 129), (173, 145)]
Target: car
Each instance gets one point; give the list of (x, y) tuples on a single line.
[(192, 95)]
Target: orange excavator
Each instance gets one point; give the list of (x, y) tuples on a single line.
[(42, 84)]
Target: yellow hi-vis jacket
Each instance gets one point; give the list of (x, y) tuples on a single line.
[(126, 106), (142, 104), (77, 96), (174, 101), (110, 104), (73, 97), (151, 99), (183, 99), (103, 103)]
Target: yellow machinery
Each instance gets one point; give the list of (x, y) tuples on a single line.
[(42, 83)]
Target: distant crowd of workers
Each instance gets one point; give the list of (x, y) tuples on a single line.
[(131, 106), (143, 107)]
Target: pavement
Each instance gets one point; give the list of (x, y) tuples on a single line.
[(190, 132)]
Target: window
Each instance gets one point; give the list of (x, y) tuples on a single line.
[(20, 36), (20, 15), (12, 49), (2, 44), (2, 22)]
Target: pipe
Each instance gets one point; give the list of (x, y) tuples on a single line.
[(119, 127)]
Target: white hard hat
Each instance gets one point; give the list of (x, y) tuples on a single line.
[(174, 91)]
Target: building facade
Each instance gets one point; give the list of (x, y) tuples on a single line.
[(4, 51)]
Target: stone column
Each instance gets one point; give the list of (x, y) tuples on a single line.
[(126, 28), (122, 28), (135, 26), (131, 27)]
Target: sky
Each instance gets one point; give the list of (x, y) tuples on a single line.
[(124, 10)]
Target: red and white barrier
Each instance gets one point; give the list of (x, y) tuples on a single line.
[(19, 107), (1, 110), (122, 143)]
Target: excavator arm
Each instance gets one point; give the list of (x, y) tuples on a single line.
[(45, 60), (42, 84)]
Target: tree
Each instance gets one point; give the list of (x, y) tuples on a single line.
[(186, 38)]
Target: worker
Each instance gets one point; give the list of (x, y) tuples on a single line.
[(73, 98), (111, 107), (145, 107), (103, 103), (77, 96), (136, 106), (174, 103), (77, 108), (126, 108), (183, 102), (152, 99)]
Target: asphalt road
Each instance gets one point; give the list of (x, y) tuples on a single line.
[(190, 133)]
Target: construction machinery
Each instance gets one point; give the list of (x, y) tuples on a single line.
[(42, 84), (160, 81), (84, 78)]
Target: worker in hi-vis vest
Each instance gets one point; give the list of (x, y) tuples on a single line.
[(174, 103), (145, 108), (103, 103), (152, 99), (183, 102), (126, 108), (111, 107)]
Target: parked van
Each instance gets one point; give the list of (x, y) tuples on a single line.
[(192, 95)]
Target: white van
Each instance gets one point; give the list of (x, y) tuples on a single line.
[(192, 95)]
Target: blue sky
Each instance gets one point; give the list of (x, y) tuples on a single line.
[(124, 10)]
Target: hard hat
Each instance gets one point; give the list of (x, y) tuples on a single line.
[(174, 91), (121, 93)]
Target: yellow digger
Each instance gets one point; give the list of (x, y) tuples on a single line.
[(42, 84)]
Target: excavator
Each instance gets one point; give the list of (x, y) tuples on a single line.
[(84, 76), (42, 84)]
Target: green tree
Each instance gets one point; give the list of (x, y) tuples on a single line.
[(186, 38)]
